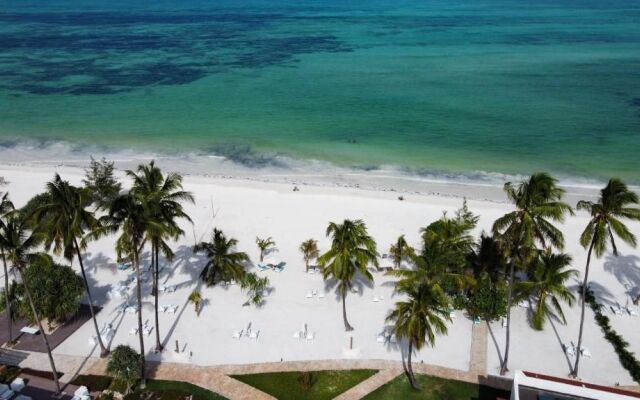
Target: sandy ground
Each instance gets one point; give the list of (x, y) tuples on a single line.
[(245, 209)]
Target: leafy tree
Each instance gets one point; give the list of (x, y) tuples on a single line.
[(401, 251), (418, 319), (538, 204), (101, 182), (162, 197), (63, 218), (309, 250), (255, 287), (352, 249), (124, 366), (56, 290), (12, 301), (264, 245), (6, 206), (196, 298), (223, 263), (488, 299), (548, 283), (19, 243), (615, 203)]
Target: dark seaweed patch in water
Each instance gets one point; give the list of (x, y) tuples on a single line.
[(244, 155), (113, 53), (635, 102)]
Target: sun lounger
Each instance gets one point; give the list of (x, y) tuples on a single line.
[(376, 299), (279, 267), (17, 385), (309, 294), (169, 309), (131, 310), (354, 290), (133, 331), (311, 335), (237, 335), (504, 323), (381, 338), (585, 352), (29, 330), (477, 321), (616, 311), (452, 314), (523, 304), (7, 394), (147, 330), (570, 350), (296, 335), (632, 312), (254, 335), (262, 267), (321, 295)]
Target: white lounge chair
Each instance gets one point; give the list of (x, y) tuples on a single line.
[(321, 294), (146, 330), (631, 312), (7, 394), (452, 314), (311, 335), (133, 331), (504, 322), (616, 311), (17, 385), (309, 295), (381, 338), (570, 350), (296, 335), (314, 292), (585, 352), (237, 335), (376, 299), (172, 309), (254, 335), (131, 310)]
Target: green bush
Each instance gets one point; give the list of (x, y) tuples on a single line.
[(626, 357), (306, 380)]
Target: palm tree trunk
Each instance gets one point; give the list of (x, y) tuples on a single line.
[(6, 298), (347, 327), (412, 377), (143, 381), (306, 265), (44, 336), (503, 367), (103, 350), (574, 373), (155, 284)]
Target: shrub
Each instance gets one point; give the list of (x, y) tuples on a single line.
[(306, 380), (124, 366), (96, 383)]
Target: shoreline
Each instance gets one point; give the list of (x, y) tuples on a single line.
[(481, 186)]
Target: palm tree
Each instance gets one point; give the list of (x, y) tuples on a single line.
[(309, 250), (352, 249), (162, 197), (196, 298), (6, 206), (605, 224), (222, 262), (418, 319), (263, 245), (548, 283), (64, 219), (19, 243), (401, 251), (538, 203), (128, 215)]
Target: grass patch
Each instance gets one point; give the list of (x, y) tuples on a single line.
[(93, 382), (8, 373), (319, 385), (172, 390), (433, 388)]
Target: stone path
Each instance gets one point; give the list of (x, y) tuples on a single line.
[(478, 362)]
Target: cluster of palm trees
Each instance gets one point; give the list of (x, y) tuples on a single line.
[(450, 262), (64, 218)]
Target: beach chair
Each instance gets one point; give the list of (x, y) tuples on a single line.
[(7, 394), (452, 314), (585, 352), (172, 309), (146, 330), (309, 294), (17, 385), (381, 338), (504, 322), (131, 310), (311, 335), (321, 295), (133, 331), (237, 334), (314, 292), (616, 311), (569, 350), (523, 304), (296, 335), (631, 312), (254, 335), (279, 267), (477, 321), (262, 266)]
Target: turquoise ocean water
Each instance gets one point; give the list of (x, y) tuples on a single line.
[(432, 86)]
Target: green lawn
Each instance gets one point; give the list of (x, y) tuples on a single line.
[(433, 388), (172, 390), (286, 385)]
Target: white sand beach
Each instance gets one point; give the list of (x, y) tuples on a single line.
[(246, 209)]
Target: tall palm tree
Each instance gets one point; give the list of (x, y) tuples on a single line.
[(19, 243), (418, 319), (222, 262), (309, 250), (538, 204), (548, 283), (163, 197), (400, 251), (352, 249), (263, 245), (6, 206), (614, 204), (64, 219), (128, 215)]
